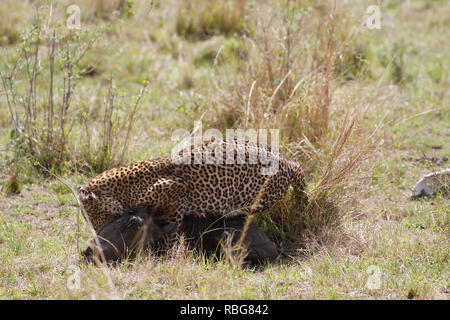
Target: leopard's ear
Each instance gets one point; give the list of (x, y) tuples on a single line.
[(83, 191)]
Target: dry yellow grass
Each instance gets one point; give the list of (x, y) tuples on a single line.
[(350, 103)]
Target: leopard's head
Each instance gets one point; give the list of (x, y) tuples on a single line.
[(98, 207)]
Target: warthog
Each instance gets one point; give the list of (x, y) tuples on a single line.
[(141, 229)]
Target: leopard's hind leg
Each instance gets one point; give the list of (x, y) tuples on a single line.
[(167, 195)]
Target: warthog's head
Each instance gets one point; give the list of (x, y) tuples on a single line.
[(136, 230)]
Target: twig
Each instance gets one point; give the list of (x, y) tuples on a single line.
[(94, 233), (249, 102)]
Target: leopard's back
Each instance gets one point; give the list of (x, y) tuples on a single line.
[(253, 179)]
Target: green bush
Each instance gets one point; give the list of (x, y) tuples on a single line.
[(204, 18), (44, 117)]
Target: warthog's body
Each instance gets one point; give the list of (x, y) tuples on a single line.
[(210, 235), (140, 229)]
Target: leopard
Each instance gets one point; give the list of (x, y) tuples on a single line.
[(217, 178)]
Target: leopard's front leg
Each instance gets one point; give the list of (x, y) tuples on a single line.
[(175, 216)]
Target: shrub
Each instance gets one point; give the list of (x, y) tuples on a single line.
[(13, 185), (288, 81), (108, 148), (295, 59), (204, 18), (40, 87)]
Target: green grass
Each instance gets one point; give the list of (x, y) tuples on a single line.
[(196, 68)]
